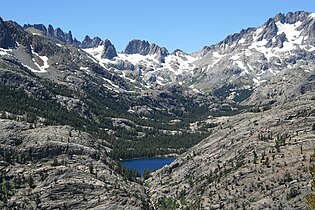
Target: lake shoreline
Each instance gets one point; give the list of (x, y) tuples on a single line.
[(149, 164), (159, 156)]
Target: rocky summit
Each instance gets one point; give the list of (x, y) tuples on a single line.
[(239, 117)]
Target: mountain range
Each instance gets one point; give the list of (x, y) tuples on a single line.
[(238, 115)]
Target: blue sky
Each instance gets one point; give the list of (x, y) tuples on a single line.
[(185, 24)]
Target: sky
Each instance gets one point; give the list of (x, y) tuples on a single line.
[(175, 24)]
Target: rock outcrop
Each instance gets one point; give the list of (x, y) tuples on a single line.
[(251, 160), (60, 167), (51, 32), (6, 39), (109, 50), (143, 47), (250, 98), (90, 43)]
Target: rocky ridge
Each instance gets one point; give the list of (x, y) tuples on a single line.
[(251, 160), (60, 167), (255, 56), (145, 48), (235, 68), (51, 32), (252, 92)]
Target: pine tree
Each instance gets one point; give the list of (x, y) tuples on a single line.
[(91, 168), (255, 157), (31, 182), (146, 174), (55, 162)]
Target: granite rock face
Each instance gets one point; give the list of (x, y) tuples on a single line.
[(57, 33), (251, 160), (6, 39), (50, 30), (138, 47), (60, 167), (143, 47), (40, 27), (256, 56), (109, 50), (90, 43), (252, 93)]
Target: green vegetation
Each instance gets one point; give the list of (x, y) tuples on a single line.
[(168, 204), (281, 141), (126, 146), (265, 137), (255, 157), (6, 188), (225, 91), (128, 174), (148, 134), (310, 198), (146, 174), (155, 144), (292, 193), (310, 201), (19, 103)]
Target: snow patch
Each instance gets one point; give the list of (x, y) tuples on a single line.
[(179, 64), (96, 52), (257, 81), (42, 68), (5, 51), (175, 64), (111, 83), (125, 77), (137, 58), (213, 63), (292, 34), (85, 69), (217, 55), (241, 41), (257, 33), (260, 47), (33, 70), (241, 65), (232, 95), (36, 34), (235, 57), (312, 15), (194, 89), (160, 80), (290, 30), (45, 63)]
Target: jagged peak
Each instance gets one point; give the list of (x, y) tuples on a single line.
[(40, 27), (57, 33), (109, 50), (291, 17), (269, 29), (178, 52), (143, 47), (106, 42), (90, 43), (137, 46)]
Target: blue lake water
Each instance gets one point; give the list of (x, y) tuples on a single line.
[(150, 164)]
